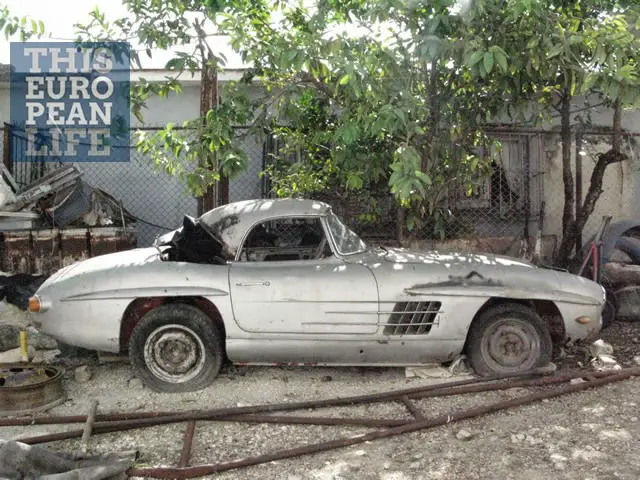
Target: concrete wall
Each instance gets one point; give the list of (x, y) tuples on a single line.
[(620, 185)]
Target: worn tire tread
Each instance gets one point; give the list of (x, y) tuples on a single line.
[(480, 325), (191, 317)]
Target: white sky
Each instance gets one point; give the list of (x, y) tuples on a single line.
[(59, 16)]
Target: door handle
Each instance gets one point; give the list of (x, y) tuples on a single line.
[(252, 284)]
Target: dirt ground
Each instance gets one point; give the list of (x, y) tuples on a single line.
[(589, 435)]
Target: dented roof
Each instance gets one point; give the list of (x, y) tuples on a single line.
[(229, 223)]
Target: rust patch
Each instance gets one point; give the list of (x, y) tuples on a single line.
[(110, 241), (42, 252), (46, 251), (461, 281), (74, 246), (17, 252)]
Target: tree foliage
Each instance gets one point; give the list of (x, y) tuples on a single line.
[(25, 27), (577, 50), (370, 91)]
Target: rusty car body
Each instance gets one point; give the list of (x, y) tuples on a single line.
[(285, 281)]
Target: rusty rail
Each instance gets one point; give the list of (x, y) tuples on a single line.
[(186, 445), (282, 407), (474, 385), (151, 419), (204, 470), (123, 425)]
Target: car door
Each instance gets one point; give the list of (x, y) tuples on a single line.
[(281, 284)]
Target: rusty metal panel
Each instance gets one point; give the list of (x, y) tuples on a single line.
[(46, 251), (111, 240), (16, 252), (74, 246)]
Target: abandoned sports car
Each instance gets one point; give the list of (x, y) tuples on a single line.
[(285, 281)]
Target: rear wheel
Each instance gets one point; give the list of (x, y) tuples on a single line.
[(508, 339), (176, 348)]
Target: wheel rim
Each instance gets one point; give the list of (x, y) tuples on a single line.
[(510, 344), (174, 353)]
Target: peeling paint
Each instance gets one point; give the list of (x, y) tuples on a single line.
[(461, 281)]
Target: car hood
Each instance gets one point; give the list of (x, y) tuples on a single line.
[(105, 263)]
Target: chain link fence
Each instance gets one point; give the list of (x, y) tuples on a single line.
[(524, 193)]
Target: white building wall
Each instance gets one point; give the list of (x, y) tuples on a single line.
[(155, 197)]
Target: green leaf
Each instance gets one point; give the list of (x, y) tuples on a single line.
[(501, 60), (175, 63), (487, 61), (556, 50), (426, 179), (344, 80), (475, 58)]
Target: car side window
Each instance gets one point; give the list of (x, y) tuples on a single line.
[(284, 239)]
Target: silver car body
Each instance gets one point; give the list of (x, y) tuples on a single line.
[(330, 311)]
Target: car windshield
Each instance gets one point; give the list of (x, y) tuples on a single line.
[(346, 240)]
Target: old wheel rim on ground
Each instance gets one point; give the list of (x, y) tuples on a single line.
[(510, 345), (174, 353)]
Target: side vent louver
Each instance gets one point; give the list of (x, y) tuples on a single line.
[(412, 318)]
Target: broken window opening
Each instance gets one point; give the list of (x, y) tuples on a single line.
[(286, 239)]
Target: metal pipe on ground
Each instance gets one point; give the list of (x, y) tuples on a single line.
[(186, 446), (203, 470), (124, 425), (222, 415), (283, 407), (536, 382)]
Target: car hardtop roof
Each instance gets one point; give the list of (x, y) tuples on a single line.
[(229, 223), (254, 210)]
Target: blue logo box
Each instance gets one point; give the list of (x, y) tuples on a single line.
[(71, 101)]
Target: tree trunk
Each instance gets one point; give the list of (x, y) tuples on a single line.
[(400, 224), (567, 173), (576, 226)]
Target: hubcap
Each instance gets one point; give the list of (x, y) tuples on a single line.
[(174, 353), (509, 345)]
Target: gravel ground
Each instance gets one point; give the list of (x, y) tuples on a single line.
[(588, 435)]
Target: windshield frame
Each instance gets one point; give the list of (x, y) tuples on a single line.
[(332, 221)]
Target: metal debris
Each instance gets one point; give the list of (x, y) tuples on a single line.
[(412, 426), (27, 388), (127, 421)]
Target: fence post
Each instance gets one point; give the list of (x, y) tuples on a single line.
[(6, 145)]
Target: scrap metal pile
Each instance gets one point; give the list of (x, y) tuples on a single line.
[(383, 428), (58, 199)]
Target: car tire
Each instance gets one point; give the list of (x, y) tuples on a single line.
[(176, 348), (499, 331)]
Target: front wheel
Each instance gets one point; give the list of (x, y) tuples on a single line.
[(176, 348), (508, 339)]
